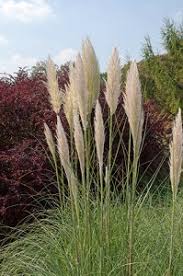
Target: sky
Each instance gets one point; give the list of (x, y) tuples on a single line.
[(30, 30)]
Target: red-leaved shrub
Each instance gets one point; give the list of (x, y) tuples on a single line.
[(25, 171)]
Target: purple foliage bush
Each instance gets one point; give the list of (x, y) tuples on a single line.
[(24, 169)]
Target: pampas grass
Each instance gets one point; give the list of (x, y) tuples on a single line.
[(70, 99), (63, 148), (99, 134), (93, 232), (52, 85), (79, 86), (113, 91), (113, 81), (92, 72), (81, 96), (68, 107), (112, 94), (133, 106), (51, 145), (176, 151), (79, 143), (99, 141), (176, 158), (134, 111), (49, 140)]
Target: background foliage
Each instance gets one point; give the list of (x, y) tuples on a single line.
[(162, 75)]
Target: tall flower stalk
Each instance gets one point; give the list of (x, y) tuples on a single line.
[(51, 145), (99, 141), (56, 102), (113, 85), (80, 97), (82, 85), (112, 94), (134, 111), (64, 155), (80, 103), (176, 158), (63, 150)]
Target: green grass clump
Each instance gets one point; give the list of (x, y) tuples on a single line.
[(48, 247)]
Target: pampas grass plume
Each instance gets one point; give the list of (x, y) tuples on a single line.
[(72, 78), (79, 85), (68, 106), (133, 105), (92, 72), (52, 85), (63, 148), (99, 134), (176, 151), (113, 81), (79, 142), (49, 139)]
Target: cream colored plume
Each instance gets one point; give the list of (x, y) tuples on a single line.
[(176, 152), (99, 134), (68, 106), (113, 83), (49, 140), (72, 78), (133, 105), (52, 85), (63, 148), (70, 100), (78, 84), (79, 142), (92, 72)]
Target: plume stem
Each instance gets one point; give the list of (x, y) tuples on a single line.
[(131, 210), (108, 183), (172, 236)]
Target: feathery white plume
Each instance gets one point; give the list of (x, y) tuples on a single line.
[(176, 152), (79, 86), (113, 82), (72, 78), (49, 139), (52, 85), (79, 142), (68, 106), (133, 105), (92, 72), (63, 148), (99, 134)]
